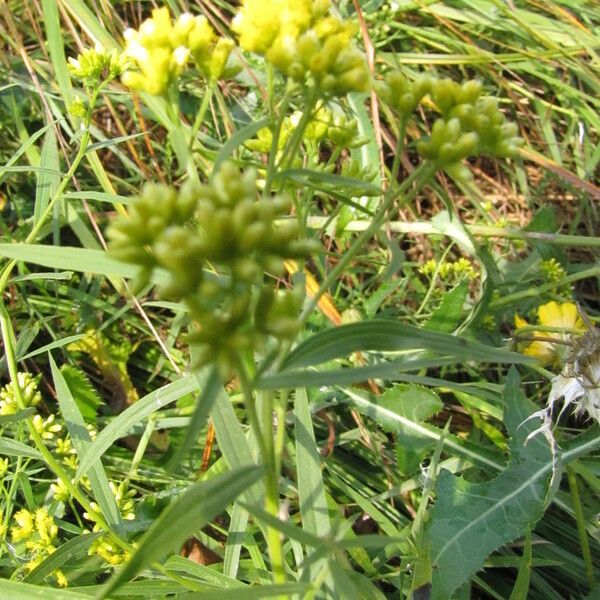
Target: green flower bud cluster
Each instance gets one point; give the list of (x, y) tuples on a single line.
[(302, 41), (401, 94), (97, 65), (343, 132), (469, 125), (224, 225), (161, 49)]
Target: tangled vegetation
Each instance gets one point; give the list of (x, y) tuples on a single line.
[(298, 299)]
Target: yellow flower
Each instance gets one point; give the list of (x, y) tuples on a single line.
[(30, 394), (298, 38), (562, 316), (24, 526), (161, 49)]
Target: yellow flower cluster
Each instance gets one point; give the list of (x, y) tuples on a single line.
[(450, 271), (304, 42), (103, 546), (28, 386), (95, 65), (564, 316), (161, 48), (39, 532)]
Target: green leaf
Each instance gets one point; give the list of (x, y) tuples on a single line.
[(521, 589), (86, 397), (18, 590), (386, 335), (471, 520), (21, 415), (135, 414), (329, 182), (196, 507), (51, 346), (56, 48), (48, 178), (311, 492), (282, 590), (418, 404), (202, 573), (447, 316), (14, 448), (237, 139), (65, 257), (210, 386), (100, 196), (77, 546), (411, 401), (232, 441), (82, 442)]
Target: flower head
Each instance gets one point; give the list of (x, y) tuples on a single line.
[(28, 387), (579, 382), (161, 49), (553, 350), (95, 65), (302, 41)]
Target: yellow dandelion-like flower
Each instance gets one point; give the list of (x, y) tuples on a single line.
[(563, 316)]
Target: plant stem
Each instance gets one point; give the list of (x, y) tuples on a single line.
[(210, 88), (264, 438)]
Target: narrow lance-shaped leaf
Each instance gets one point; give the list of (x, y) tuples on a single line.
[(82, 441), (196, 507), (135, 414), (387, 335)]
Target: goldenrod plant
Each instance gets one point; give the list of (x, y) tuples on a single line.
[(298, 300)]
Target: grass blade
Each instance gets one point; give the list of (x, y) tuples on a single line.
[(82, 442), (136, 413), (191, 511)]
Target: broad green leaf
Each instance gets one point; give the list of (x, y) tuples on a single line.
[(86, 397), (82, 441), (19, 590), (196, 507), (418, 404), (471, 520), (120, 425), (411, 401), (77, 546), (386, 335), (13, 448), (311, 492), (391, 420), (448, 314)]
